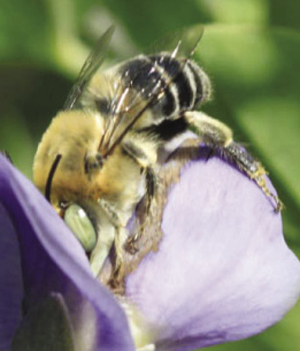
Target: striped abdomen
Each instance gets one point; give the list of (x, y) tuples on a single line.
[(183, 83)]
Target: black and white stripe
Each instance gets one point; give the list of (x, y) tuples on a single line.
[(184, 84)]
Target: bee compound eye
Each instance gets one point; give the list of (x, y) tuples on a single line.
[(78, 221)]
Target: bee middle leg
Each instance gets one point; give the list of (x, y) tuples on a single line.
[(151, 184), (217, 135), (139, 155)]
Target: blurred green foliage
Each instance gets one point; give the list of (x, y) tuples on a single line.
[(250, 48)]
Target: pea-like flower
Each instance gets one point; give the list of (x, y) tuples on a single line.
[(220, 272)]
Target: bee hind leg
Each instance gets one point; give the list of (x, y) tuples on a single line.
[(217, 135), (253, 168)]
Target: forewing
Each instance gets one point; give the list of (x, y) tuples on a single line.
[(90, 67), (180, 44)]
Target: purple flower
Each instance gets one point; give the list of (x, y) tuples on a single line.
[(222, 270)]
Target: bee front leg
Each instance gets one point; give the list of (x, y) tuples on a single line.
[(102, 249), (217, 135)]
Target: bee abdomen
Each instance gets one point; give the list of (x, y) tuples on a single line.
[(183, 83)]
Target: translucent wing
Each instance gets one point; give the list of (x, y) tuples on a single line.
[(180, 44), (91, 65)]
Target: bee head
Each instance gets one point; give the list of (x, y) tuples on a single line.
[(65, 168), (75, 135)]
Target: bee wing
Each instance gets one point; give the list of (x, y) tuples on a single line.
[(91, 65), (182, 44)]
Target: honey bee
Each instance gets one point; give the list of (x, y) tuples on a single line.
[(99, 157)]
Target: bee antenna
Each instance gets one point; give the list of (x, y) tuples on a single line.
[(51, 175)]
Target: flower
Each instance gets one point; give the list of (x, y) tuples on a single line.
[(222, 270)]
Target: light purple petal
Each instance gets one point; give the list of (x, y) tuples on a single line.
[(223, 271), (54, 262)]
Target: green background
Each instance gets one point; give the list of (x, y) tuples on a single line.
[(250, 48)]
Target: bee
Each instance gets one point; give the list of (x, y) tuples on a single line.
[(99, 157)]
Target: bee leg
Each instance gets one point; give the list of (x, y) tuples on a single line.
[(111, 239), (106, 239), (138, 152), (253, 168), (217, 135), (131, 244), (150, 187), (118, 265)]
